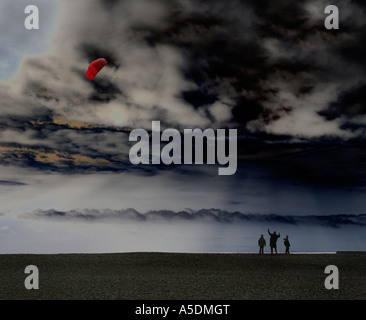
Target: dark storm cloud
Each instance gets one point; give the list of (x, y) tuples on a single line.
[(208, 215), (325, 162), (350, 103), (293, 89), (58, 147), (11, 183), (269, 68)]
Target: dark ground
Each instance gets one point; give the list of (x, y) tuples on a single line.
[(180, 276)]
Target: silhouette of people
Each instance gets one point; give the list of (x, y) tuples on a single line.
[(286, 242), (261, 244), (273, 240)]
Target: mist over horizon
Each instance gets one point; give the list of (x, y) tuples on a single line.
[(206, 230)]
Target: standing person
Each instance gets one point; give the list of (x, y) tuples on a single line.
[(261, 244), (273, 240), (286, 242)]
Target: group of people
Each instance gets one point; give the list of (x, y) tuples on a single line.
[(273, 243)]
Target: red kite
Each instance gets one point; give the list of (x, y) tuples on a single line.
[(95, 67)]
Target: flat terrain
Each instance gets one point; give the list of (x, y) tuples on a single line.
[(180, 276)]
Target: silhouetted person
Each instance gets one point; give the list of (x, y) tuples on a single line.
[(273, 240), (286, 242), (261, 244)]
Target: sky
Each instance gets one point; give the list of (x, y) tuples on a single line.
[(293, 90)]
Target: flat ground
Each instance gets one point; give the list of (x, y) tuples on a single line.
[(181, 276)]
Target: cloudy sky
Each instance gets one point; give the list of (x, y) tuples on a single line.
[(294, 91)]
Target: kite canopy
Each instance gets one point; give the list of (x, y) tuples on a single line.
[(95, 67)]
